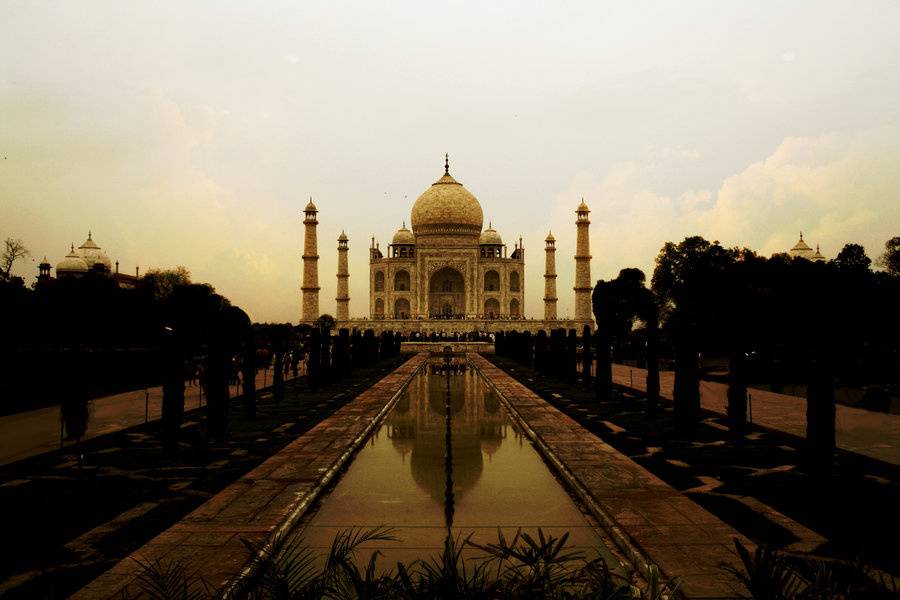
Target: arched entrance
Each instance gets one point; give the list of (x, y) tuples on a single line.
[(447, 294), (491, 308), (401, 308), (514, 308), (379, 308)]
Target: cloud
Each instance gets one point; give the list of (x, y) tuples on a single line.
[(836, 188)]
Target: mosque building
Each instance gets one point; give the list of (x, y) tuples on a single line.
[(447, 272), (802, 250), (88, 258)]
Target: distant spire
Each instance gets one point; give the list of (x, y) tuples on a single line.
[(446, 164), (72, 247), (404, 224), (89, 234), (801, 236), (490, 226)]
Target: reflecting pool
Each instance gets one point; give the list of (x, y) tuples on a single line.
[(494, 478)]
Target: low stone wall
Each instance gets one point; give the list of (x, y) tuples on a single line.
[(438, 347), (408, 326), (269, 499)]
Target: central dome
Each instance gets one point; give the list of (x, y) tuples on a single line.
[(447, 207)]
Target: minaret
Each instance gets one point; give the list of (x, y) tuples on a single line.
[(343, 292), (583, 264), (550, 279), (310, 287)]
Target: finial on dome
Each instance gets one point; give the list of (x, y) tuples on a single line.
[(404, 224), (72, 247), (490, 226), (447, 164), (801, 236), (89, 234)]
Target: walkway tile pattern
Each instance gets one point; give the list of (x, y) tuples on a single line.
[(669, 529), (872, 434), (209, 539)]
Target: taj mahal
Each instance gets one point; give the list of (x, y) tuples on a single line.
[(448, 272)]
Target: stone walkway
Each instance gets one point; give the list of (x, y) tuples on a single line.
[(872, 434), (34, 432), (663, 525), (273, 495)]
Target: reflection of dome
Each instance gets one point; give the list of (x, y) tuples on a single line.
[(403, 236), (490, 237), (447, 207), (71, 264), (93, 255), (427, 463)]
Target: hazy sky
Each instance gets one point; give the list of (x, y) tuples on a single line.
[(193, 133)]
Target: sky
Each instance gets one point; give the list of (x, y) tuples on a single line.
[(193, 133)]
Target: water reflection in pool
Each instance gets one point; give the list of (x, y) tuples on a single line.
[(402, 477)]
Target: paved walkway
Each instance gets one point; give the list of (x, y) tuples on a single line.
[(34, 432), (271, 497), (872, 434), (669, 529)]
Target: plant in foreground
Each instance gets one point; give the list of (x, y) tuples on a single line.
[(523, 567)]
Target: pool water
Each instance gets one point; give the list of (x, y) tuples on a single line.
[(402, 479)]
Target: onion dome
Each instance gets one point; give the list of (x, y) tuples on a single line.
[(310, 207), (72, 264), (582, 207), (550, 237), (818, 256), (343, 237), (801, 249), (95, 258), (447, 207), (403, 236), (490, 237)]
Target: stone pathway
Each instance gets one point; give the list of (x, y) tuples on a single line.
[(34, 432), (872, 434), (273, 495), (663, 525)]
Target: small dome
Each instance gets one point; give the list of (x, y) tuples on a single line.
[(310, 207), (91, 253), (490, 237), (343, 237), (550, 237), (818, 256), (447, 207), (72, 263), (403, 236), (801, 250), (582, 207)]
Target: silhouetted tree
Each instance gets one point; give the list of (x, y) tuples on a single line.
[(172, 389), (852, 257), (586, 357), (314, 362), (737, 393), (13, 250), (890, 259)]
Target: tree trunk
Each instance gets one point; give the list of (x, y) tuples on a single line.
[(737, 394), (652, 362), (687, 389), (173, 396), (820, 417)]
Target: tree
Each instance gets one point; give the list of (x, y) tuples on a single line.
[(13, 250), (852, 258), (162, 283), (890, 260)]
